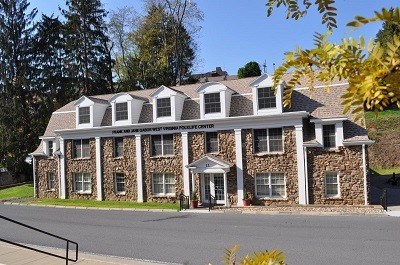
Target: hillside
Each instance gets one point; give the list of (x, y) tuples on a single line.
[(385, 131)]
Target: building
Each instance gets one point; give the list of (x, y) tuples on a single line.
[(220, 138)]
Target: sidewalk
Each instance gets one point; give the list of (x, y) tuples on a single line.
[(14, 255)]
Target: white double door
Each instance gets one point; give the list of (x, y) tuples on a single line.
[(213, 183)]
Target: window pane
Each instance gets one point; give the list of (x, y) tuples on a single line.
[(163, 107), (118, 147), (266, 98), (212, 103), (156, 145), (85, 148), (329, 135), (262, 184), (84, 115), (331, 183), (278, 184), (260, 141), (275, 140), (76, 149), (121, 111), (50, 143), (50, 181), (168, 144), (212, 142), (120, 182)]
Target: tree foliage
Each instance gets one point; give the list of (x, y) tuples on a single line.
[(274, 257), (371, 69), (250, 69)]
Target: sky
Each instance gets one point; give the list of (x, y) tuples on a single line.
[(235, 32)]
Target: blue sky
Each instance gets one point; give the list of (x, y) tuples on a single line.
[(235, 32)]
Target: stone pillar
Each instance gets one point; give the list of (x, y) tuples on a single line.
[(139, 168), (99, 180), (62, 170), (239, 166), (185, 162), (303, 198)]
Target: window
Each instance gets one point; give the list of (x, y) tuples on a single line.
[(119, 183), (212, 103), (266, 98), (121, 111), (82, 182), (81, 148), (270, 185), (51, 150), (329, 136), (331, 184), (212, 142), (163, 184), (162, 145), (51, 181), (268, 140), (84, 115), (118, 147), (163, 107)]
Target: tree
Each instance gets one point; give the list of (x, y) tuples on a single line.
[(88, 54), (370, 69), (17, 94), (250, 69)]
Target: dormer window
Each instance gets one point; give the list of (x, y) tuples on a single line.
[(329, 132), (121, 111), (50, 149), (212, 103), (329, 135), (266, 98), (84, 115), (163, 107)]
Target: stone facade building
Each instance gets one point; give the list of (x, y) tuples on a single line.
[(223, 139)]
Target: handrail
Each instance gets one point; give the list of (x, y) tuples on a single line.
[(210, 203), (42, 251), (183, 202), (384, 199)]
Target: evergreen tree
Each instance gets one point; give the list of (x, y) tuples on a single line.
[(17, 94), (87, 52)]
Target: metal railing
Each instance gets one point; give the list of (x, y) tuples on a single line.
[(183, 202), (66, 257), (384, 199), (211, 202)]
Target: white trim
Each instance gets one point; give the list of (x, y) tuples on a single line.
[(185, 161), (306, 174), (327, 121), (63, 112), (34, 176), (225, 190), (239, 166), (365, 174), (301, 178), (98, 170), (139, 168), (358, 142), (323, 86), (62, 170)]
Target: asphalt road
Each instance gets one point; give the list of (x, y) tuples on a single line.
[(202, 238)]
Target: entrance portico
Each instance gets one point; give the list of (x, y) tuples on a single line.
[(213, 172)]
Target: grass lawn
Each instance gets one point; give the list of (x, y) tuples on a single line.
[(387, 114), (16, 192), (105, 204), (386, 171)]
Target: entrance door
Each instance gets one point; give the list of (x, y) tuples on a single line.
[(214, 184)]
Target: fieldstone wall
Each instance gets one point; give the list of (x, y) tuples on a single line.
[(125, 165), (162, 164), (284, 163), (45, 165), (226, 143), (80, 165), (347, 161)]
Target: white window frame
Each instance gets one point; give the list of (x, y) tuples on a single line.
[(337, 184), (74, 153), (206, 139), (124, 112), (209, 103), (258, 98), (270, 185), (164, 184), (162, 145), (157, 107), (116, 181), (51, 181), (81, 179), (268, 142), (80, 115), (115, 155)]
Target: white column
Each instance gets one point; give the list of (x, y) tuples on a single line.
[(300, 165), (139, 168), (62, 170), (365, 175), (225, 190), (193, 186), (34, 176), (306, 173), (99, 181), (239, 166), (185, 162)]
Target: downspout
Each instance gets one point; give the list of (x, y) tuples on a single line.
[(365, 174), (306, 174)]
